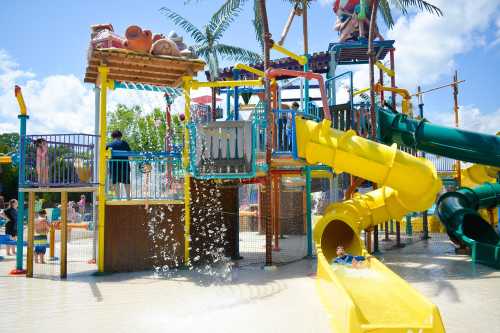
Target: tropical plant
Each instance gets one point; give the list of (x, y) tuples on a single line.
[(208, 39)]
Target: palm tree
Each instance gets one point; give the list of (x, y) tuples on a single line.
[(207, 40)]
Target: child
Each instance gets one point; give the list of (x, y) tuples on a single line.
[(41, 230), (81, 206), (344, 258), (10, 214), (42, 161)]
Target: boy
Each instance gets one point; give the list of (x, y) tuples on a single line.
[(345, 258), (41, 230)]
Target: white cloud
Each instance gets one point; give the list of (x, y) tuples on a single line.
[(63, 103), (470, 118), (426, 44)]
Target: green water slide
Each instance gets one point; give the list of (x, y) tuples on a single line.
[(440, 140), (456, 210)]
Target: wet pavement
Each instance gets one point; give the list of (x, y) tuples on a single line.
[(252, 300)]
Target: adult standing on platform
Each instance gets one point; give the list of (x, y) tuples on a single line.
[(120, 168)]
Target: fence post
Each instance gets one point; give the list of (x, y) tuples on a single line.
[(64, 235), (31, 230), (308, 212)]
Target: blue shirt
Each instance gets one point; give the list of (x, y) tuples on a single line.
[(346, 259), (119, 145)]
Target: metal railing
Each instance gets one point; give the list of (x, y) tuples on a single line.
[(223, 149), (144, 175), (59, 160), (285, 140)]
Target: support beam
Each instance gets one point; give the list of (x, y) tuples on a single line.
[(31, 232), (103, 78), (187, 81), (64, 235)]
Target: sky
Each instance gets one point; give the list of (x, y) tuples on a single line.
[(46, 45)]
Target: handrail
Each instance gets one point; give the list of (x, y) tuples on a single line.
[(146, 154), (302, 60), (272, 73), (221, 84), (249, 69)]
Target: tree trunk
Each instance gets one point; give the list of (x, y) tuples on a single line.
[(214, 104), (266, 214), (371, 55), (305, 29)]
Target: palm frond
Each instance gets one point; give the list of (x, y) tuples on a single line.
[(222, 18), (180, 21), (257, 24), (201, 51), (295, 2), (385, 10), (239, 54), (422, 5)]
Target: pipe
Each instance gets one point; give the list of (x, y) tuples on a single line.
[(302, 60), (273, 73), (20, 101), (405, 105), (222, 84)]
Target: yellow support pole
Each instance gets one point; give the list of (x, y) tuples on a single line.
[(31, 230), (360, 91), (223, 84), (302, 60), (64, 235), (187, 81), (105, 84), (249, 69), (20, 100), (384, 69)]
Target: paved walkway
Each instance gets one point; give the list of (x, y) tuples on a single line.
[(254, 301)]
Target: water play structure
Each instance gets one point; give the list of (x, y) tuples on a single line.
[(333, 136)]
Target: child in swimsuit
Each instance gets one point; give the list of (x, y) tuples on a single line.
[(40, 240), (344, 258), (42, 161)]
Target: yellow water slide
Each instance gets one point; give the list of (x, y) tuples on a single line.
[(478, 174), (371, 299)]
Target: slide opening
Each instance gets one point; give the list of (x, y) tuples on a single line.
[(337, 233), (475, 227)]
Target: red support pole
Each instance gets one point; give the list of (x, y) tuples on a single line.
[(393, 78)]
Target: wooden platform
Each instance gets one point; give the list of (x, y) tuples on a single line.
[(128, 66)]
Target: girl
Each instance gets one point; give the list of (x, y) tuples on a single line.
[(40, 239), (42, 161), (10, 214)]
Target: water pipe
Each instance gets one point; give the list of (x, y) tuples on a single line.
[(273, 73), (405, 104), (302, 60)]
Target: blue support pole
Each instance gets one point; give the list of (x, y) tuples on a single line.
[(20, 196), (306, 88), (228, 106), (308, 212), (236, 76)]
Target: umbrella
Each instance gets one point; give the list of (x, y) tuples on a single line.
[(207, 99)]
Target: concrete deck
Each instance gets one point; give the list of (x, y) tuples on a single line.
[(253, 301)]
